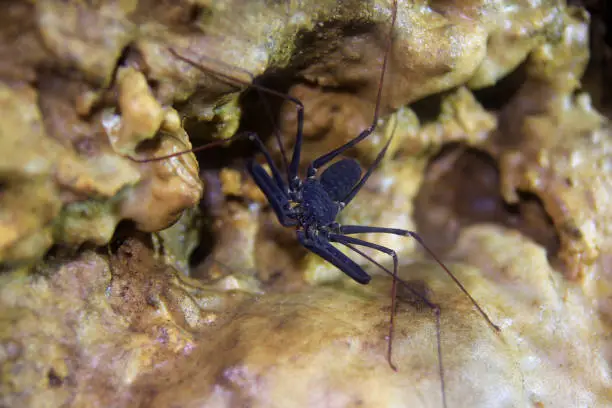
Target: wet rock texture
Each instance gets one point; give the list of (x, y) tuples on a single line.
[(170, 283)]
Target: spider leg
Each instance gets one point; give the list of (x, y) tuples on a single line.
[(344, 240), (193, 150), (370, 170), (326, 158), (291, 171), (322, 247), (360, 229), (349, 242), (252, 136)]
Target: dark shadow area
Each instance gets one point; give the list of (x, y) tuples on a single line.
[(462, 188), (57, 253), (598, 74), (210, 208), (429, 108), (495, 97), (492, 98), (182, 16), (54, 380), (261, 110), (124, 231)]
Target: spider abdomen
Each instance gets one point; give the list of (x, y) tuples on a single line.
[(340, 178)]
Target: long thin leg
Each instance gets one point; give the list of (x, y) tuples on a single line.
[(207, 146), (349, 240), (360, 229), (326, 158), (291, 170), (369, 172), (435, 308), (244, 135)]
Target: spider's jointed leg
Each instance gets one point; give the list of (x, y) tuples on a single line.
[(341, 239), (360, 229), (326, 158), (349, 242)]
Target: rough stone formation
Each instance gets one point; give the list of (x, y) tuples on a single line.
[(86, 85)]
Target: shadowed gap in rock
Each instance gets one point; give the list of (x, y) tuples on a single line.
[(495, 97), (462, 188)]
